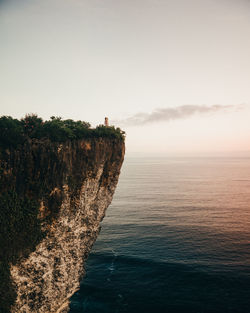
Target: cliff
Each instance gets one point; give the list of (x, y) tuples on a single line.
[(53, 197)]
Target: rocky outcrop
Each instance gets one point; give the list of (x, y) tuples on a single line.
[(69, 187)]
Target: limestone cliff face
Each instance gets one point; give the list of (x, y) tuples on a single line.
[(73, 184)]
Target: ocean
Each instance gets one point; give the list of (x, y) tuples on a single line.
[(175, 239)]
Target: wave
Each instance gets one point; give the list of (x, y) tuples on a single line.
[(119, 283)]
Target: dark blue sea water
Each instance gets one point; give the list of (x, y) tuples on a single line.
[(175, 239)]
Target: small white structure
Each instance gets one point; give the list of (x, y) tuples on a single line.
[(106, 121)]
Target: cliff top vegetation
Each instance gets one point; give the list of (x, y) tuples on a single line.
[(14, 132)]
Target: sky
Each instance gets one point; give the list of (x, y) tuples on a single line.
[(174, 74)]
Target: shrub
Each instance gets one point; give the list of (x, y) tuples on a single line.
[(14, 132), (11, 132)]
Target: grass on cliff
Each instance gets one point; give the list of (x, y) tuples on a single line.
[(14, 132)]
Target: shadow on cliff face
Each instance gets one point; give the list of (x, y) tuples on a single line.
[(32, 180)]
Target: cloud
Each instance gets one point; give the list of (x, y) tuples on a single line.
[(168, 114)]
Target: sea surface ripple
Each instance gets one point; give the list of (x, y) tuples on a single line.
[(176, 239)]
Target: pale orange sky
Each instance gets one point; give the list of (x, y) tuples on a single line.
[(89, 59)]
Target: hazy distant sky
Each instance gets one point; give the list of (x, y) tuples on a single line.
[(90, 59)]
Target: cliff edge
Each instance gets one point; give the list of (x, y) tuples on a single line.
[(53, 197)]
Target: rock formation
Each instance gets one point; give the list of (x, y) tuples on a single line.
[(53, 197)]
